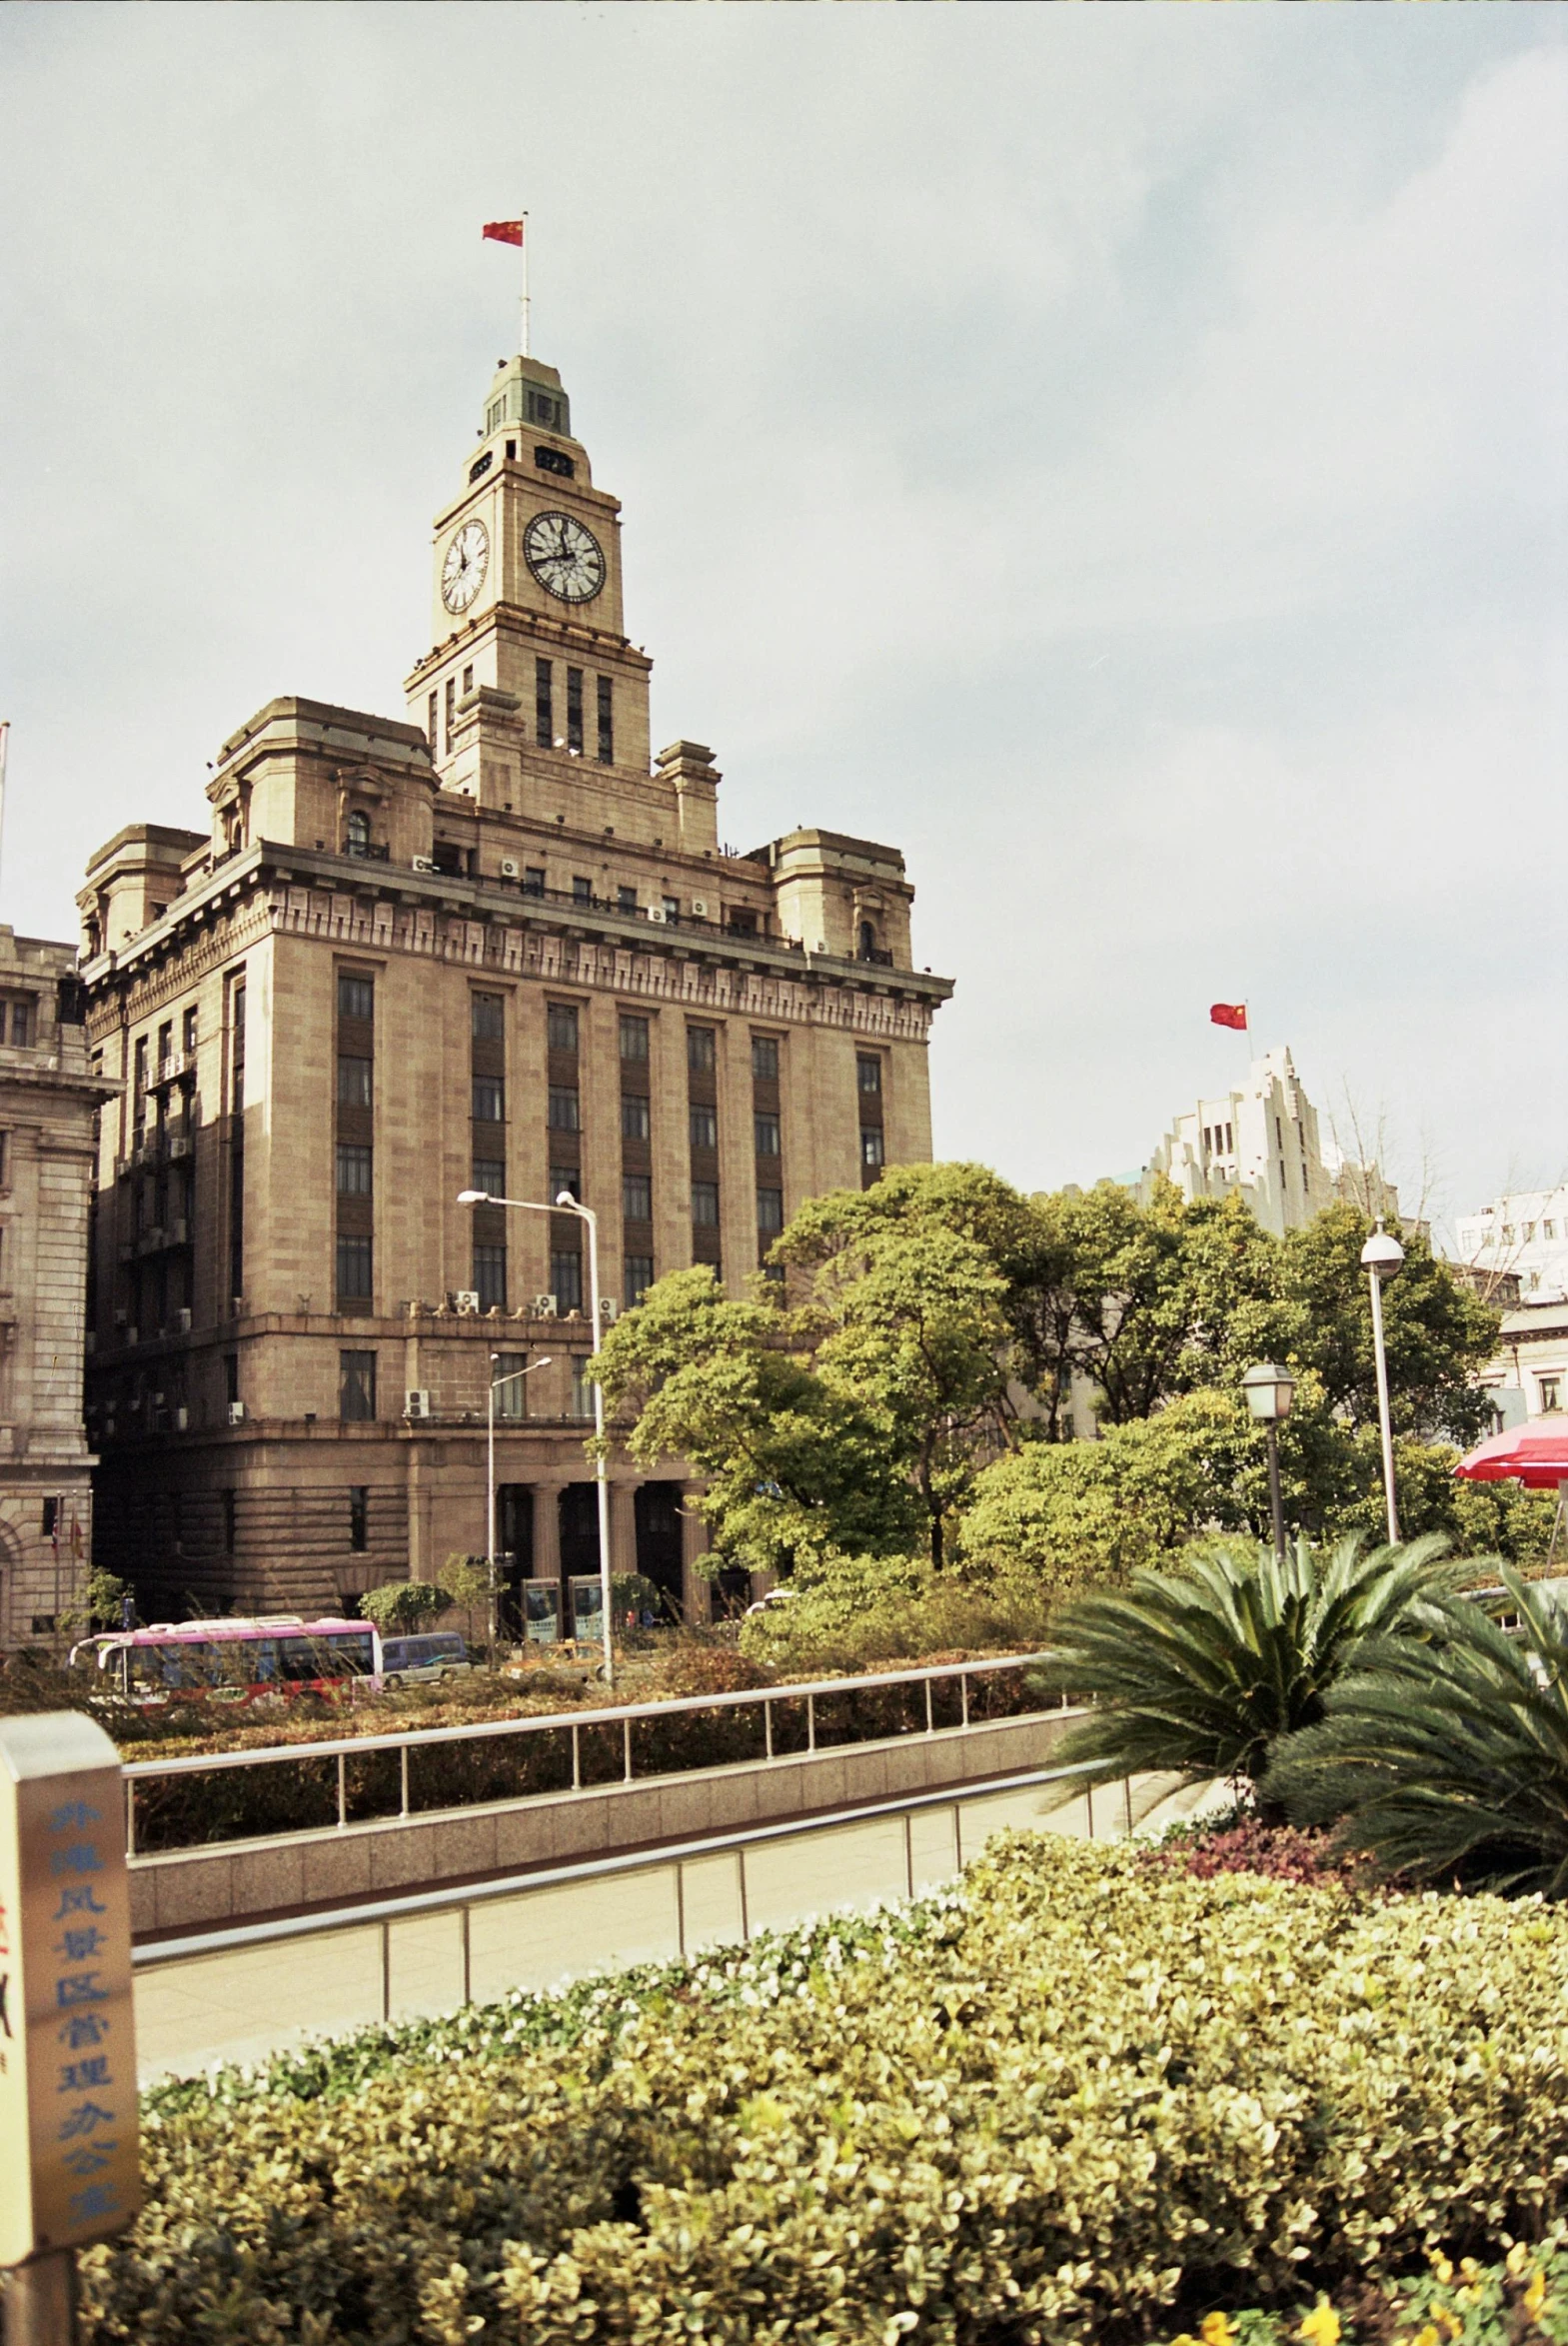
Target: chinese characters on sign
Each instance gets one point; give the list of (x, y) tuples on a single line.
[(69, 2170)]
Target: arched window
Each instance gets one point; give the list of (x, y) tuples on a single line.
[(359, 833), (867, 941)]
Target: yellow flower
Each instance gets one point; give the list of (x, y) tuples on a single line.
[(1215, 2330), (1321, 2326), (1426, 2336), (1448, 2323), (1442, 2268), (1534, 2298)]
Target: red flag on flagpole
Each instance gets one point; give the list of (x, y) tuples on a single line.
[(1229, 1013), (504, 231)]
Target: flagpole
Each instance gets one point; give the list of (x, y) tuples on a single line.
[(523, 346)]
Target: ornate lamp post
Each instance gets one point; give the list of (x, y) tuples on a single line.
[(1270, 1390), (1380, 1259)]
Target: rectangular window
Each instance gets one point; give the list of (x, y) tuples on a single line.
[(634, 1040), (700, 1050), (565, 1279), (51, 1517), (568, 1179), (544, 719), (625, 899), (705, 1204), (1551, 1391), (488, 1099), (868, 1073), (582, 888), (607, 728), (766, 1131), (636, 1197), (488, 1018), (533, 883), (510, 1385), (672, 905), (870, 1145), (765, 1058), (165, 1043), (353, 1080), (230, 1540), (451, 709), (575, 710), (582, 1388), (354, 1171), (359, 1517), (565, 1110), (633, 1117), (468, 682), (704, 1124), (138, 1065), (770, 1209), (490, 1175), (489, 1277), (561, 1025), (639, 1277), (356, 1387), (188, 1030), (354, 1270), (429, 725)]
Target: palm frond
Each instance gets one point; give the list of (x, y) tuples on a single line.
[(1446, 1758), (1201, 1671)]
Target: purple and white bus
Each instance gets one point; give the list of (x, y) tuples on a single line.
[(272, 1653)]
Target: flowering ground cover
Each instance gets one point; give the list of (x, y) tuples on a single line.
[(1079, 2098)]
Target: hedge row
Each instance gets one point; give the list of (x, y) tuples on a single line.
[(1084, 2098)]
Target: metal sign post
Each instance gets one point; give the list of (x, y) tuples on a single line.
[(69, 2165)]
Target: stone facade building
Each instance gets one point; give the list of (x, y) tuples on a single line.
[(1262, 1139), (495, 946), (47, 1103)]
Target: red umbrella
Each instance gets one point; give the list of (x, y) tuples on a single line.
[(1535, 1453)]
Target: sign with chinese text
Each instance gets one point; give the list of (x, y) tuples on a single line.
[(69, 2164)]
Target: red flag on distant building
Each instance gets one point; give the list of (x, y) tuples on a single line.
[(1229, 1013), (505, 231)]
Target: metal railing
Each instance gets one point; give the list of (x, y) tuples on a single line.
[(610, 1732)]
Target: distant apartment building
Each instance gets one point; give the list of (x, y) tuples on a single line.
[(48, 1098), (1522, 1235), (1263, 1140), (494, 946)]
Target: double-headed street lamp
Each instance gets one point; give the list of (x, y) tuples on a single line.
[(514, 1376), (1380, 1259), (1270, 1390), (566, 1203)]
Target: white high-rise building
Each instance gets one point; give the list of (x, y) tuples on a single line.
[(1262, 1139), (1524, 1233)]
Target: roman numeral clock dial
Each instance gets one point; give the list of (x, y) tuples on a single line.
[(463, 572), (565, 557)]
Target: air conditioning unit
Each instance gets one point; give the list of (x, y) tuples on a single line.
[(609, 1309), (182, 1420), (700, 908), (122, 1320), (416, 1402), (509, 868), (465, 1299), (657, 912), (544, 1306), (422, 864), (180, 1146), (236, 1412), (182, 1319)]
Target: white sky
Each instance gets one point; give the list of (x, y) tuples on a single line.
[(1116, 453)]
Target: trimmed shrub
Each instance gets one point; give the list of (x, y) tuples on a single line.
[(1086, 2098)]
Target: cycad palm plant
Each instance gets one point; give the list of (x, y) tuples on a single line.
[(1449, 1761), (1202, 1671)]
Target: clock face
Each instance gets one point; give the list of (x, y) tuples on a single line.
[(565, 557), (463, 572)]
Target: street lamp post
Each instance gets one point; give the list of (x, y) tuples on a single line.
[(1380, 1259), (496, 1382), (1270, 1390), (566, 1203)]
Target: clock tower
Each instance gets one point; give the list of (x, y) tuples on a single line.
[(532, 700)]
